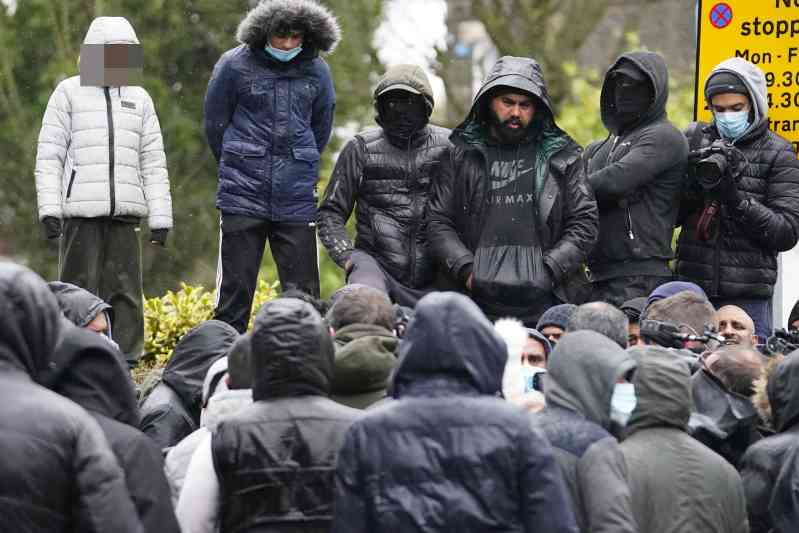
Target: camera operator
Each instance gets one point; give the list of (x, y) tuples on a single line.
[(740, 199)]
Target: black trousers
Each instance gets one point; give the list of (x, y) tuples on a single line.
[(241, 249), (103, 256), (616, 291), (366, 270)]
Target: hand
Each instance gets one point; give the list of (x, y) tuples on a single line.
[(729, 194), (348, 266), (469, 281), (52, 227), (158, 236)]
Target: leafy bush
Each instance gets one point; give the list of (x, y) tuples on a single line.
[(168, 318)]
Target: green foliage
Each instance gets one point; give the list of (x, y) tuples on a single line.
[(168, 318), (182, 40)]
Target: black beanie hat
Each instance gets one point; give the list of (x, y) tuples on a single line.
[(725, 82)]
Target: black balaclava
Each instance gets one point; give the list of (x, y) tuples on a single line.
[(401, 114), (633, 93)]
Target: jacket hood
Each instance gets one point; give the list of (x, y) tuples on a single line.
[(663, 389), (520, 73), (450, 341), (292, 352), (794, 314), (755, 82), (783, 393), (111, 30), (90, 374), (320, 28), (78, 305), (193, 356), (726, 410), (582, 372), (407, 78), (656, 71), (365, 357), (30, 320)]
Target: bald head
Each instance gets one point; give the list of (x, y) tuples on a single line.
[(736, 326)]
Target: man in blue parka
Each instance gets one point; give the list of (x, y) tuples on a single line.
[(268, 116)]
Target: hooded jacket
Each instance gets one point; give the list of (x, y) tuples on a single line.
[(724, 421), (676, 483), (391, 183), (741, 261), (79, 305), (100, 148), (770, 467), (274, 459), (565, 208), (267, 122), (449, 454), (172, 410), (636, 174), (582, 373), (92, 376), (58, 473)]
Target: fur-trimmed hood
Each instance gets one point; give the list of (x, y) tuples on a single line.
[(320, 28)]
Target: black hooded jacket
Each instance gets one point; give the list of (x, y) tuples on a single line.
[(275, 459), (582, 373), (58, 473), (172, 410), (565, 208), (636, 175), (673, 478), (770, 467), (78, 305), (449, 454), (93, 377)]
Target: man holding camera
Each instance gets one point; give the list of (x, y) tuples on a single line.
[(740, 200)]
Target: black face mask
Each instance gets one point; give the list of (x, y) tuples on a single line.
[(403, 116), (632, 98)]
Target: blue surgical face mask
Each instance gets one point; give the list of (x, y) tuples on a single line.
[(622, 403), (732, 124), (282, 55)]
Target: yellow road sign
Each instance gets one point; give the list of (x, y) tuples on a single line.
[(765, 32)]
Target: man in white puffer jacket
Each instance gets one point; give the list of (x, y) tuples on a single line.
[(100, 168)]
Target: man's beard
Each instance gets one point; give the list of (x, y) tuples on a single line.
[(504, 132)]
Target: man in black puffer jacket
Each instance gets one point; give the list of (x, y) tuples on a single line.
[(91, 373), (449, 454), (511, 217), (269, 468), (388, 171), (735, 224), (636, 175), (57, 473)]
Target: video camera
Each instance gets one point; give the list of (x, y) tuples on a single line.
[(670, 335), (710, 164), (782, 342)]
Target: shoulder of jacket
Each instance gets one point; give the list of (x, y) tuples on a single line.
[(370, 135), (567, 156)]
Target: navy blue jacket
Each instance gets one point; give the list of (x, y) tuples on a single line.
[(266, 123)]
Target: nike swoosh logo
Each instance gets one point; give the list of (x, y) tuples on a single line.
[(502, 183)]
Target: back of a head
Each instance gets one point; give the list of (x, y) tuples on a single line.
[(30, 320), (450, 336), (362, 305), (663, 390), (603, 318), (685, 308), (291, 351), (738, 367), (582, 372)]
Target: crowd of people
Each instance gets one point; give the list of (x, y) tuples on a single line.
[(516, 348)]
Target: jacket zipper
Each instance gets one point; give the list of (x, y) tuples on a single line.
[(110, 151), (413, 210), (71, 181), (630, 233)]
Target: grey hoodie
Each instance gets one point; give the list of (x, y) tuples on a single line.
[(583, 370), (755, 82)]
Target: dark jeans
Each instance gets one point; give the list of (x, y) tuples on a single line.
[(242, 242), (365, 270), (759, 310), (103, 256), (616, 291)]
